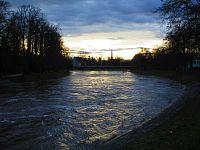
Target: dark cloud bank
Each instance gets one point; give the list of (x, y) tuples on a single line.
[(86, 16)]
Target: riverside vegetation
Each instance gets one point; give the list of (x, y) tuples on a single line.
[(28, 42)]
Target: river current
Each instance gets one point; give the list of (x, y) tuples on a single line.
[(75, 111)]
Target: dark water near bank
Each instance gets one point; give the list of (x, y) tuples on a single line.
[(73, 111)]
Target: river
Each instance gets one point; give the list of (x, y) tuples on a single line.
[(74, 111)]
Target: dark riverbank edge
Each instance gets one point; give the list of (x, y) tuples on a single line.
[(35, 76), (191, 91)]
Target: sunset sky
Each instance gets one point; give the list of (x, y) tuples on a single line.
[(97, 26)]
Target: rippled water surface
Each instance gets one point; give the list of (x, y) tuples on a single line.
[(73, 111)]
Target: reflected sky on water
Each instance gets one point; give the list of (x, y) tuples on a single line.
[(73, 111)]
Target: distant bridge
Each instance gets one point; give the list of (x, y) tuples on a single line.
[(102, 67)]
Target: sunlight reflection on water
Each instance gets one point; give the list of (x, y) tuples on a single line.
[(69, 112)]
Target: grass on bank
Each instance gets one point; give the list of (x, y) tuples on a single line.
[(180, 132), (185, 78)]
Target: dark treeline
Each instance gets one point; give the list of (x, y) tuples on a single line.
[(183, 38), (91, 61), (183, 18), (162, 61), (28, 42)]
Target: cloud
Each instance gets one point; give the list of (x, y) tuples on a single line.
[(86, 16), (114, 40)]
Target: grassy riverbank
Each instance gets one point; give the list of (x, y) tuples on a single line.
[(179, 132)]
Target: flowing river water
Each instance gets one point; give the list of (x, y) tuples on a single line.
[(74, 111)]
